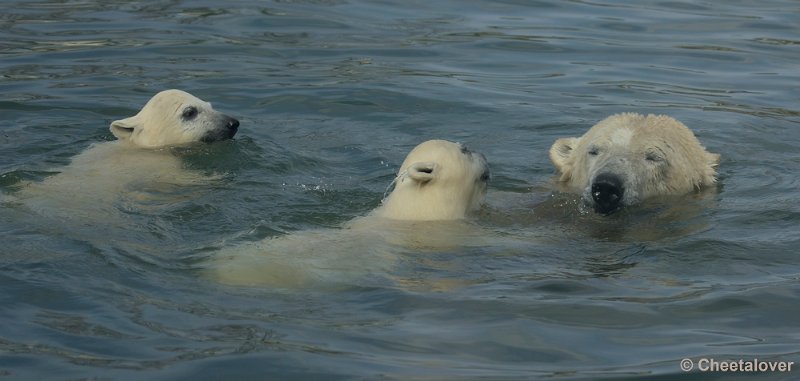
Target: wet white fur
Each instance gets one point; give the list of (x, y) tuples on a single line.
[(160, 123), (451, 189), (438, 184), (115, 175), (653, 155)]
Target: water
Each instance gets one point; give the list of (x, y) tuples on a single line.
[(331, 96)]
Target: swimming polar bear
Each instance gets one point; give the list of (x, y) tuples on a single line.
[(439, 180), (629, 157), (122, 172), (438, 184), (174, 117)]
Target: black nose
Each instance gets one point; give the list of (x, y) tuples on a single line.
[(607, 191), (233, 124)]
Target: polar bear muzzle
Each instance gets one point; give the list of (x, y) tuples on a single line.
[(607, 192), (226, 130)]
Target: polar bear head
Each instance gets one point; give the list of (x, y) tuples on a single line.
[(629, 157), (174, 117), (439, 180)]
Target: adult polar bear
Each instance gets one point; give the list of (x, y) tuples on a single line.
[(437, 185), (127, 168), (629, 157)]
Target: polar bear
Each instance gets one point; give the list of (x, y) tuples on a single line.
[(122, 172), (629, 157), (174, 117), (437, 186), (439, 180)]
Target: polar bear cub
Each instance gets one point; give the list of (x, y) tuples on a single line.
[(439, 182), (629, 157), (134, 165), (174, 117)]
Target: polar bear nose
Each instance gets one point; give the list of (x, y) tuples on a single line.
[(232, 124), (607, 191)]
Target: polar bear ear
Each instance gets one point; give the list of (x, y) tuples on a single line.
[(422, 172), (123, 128), (561, 151)]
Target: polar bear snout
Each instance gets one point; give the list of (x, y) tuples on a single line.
[(607, 191), (231, 125), (485, 174), (226, 129)]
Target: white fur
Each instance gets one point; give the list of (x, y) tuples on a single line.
[(439, 183), (174, 117), (439, 180), (621, 137), (113, 175), (653, 155)]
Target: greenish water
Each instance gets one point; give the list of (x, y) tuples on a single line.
[(331, 96)]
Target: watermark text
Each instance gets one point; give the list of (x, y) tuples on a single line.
[(741, 365)]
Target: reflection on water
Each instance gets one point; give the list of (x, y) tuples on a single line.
[(331, 95)]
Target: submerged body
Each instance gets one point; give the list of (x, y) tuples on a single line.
[(110, 176), (439, 183)]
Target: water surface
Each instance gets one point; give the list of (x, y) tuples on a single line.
[(331, 96)]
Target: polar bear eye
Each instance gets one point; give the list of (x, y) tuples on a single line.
[(189, 113), (594, 151), (653, 156)]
